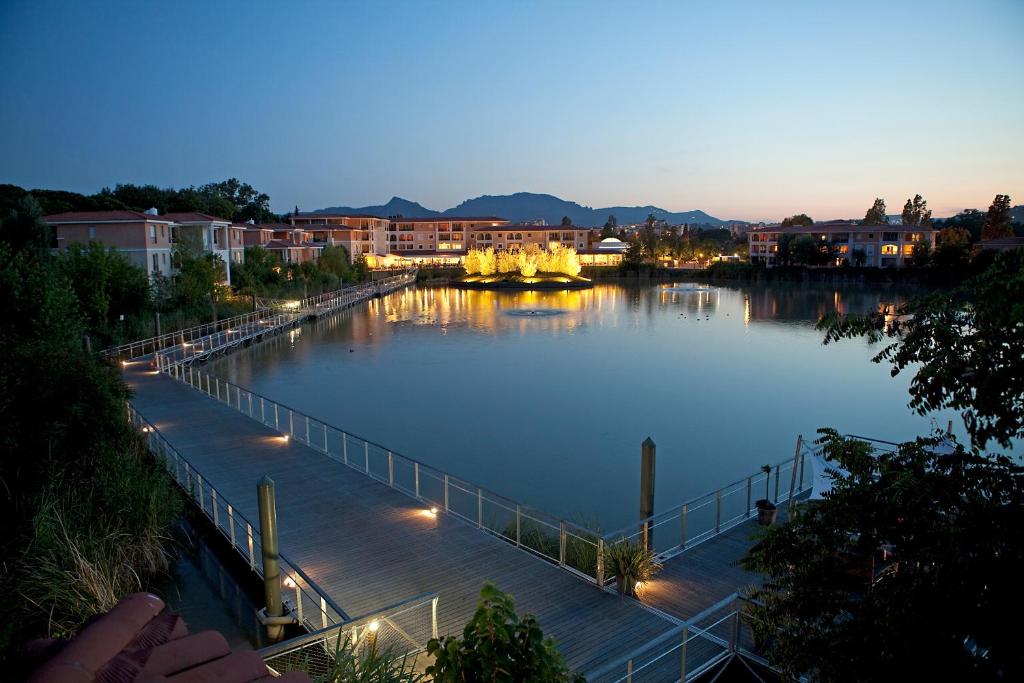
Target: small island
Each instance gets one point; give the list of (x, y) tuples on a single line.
[(528, 268)]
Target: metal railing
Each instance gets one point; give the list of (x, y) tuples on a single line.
[(310, 604), (688, 650), (699, 519), (557, 540), (145, 347), (401, 630)]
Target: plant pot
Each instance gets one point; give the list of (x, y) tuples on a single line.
[(626, 586), (767, 513)]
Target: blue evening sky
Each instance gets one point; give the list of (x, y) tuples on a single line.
[(748, 110)]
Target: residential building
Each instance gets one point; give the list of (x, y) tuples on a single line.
[(449, 235), (292, 244), (254, 235), (608, 252), (505, 236), (878, 246), (367, 235), (219, 236), (1002, 244), (144, 237)]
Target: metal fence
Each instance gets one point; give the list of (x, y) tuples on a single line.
[(548, 536), (688, 650), (145, 347), (312, 607), (401, 630), (699, 519)]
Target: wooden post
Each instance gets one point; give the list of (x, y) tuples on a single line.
[(271, 559), (647, 464)]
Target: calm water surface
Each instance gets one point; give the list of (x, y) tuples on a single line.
[(545, 397)]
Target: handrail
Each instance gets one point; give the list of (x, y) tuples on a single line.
[(313, 636), (236, 520)]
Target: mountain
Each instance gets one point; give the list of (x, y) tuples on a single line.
[(396, 206), (524, 206), (1017, 213)]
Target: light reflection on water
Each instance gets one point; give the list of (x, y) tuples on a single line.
[(551, 409)]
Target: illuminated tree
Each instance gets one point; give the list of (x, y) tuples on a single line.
[(472, 262), (488, 262), (507, 261), (529, 258)]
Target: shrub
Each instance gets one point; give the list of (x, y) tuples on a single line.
[(497, 645)]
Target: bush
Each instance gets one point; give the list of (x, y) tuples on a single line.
[(497, 645)]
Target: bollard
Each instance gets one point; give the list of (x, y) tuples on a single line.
[(271, 559), (647, 460)]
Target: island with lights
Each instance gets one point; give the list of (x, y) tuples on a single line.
[(531, 267)]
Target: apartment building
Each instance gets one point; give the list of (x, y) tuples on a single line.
[(360, 234), (514, 237), (443, 236), (292, 244), (144, 237), (219, 236), (845, 242)]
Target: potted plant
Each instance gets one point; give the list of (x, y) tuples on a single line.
[(766, 510), (632, 564)]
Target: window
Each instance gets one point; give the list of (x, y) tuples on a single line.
[(889, 249), (152, 233), (92, 232), (156, 262), (519, 235), (889, 237), (162, 231), (163, 258)]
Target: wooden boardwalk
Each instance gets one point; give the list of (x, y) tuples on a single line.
[(369, 546)]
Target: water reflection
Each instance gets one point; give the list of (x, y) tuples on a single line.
[(551, 409)]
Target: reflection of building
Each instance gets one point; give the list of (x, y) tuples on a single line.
[(878, 246)]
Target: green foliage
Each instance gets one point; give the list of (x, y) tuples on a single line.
[(798, 219), (631, 563), (348, 665), (566, 221), (916, 212), (922, 254), (907, 570), (971, 220), (499, 646), (997, 222), (965, 347), (876, 214), (85, 514), (334, 260), (952, 249), (805, 250)]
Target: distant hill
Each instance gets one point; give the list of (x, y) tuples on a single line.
[(1017, 214), (523, 206)]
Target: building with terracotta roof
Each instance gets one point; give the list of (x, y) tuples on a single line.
[(845, 242), (415, 237), (219, 236), (512, 237), (360, 234), (146, 238)]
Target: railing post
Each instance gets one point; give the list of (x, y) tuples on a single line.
[(416, 476), (231, 524), (217, 385), (797, 456), (479, 508), (323, 611), (307, 430), (446, 493), (252, 557), (433, 617), (291, 422), (391, 470), (325, 440), (682, 524), (213, 504), (718, 510), (776, 500), (519, 524), (561, 543), (277, 421), (366, 455), (599, 569), (344, 447), (746, 512)]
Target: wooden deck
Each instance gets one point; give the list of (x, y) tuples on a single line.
[(369, 546)]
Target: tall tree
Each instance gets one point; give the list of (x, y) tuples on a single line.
[(917, 213), (876, 214), (998, 223), (566, 220), (798, 219)]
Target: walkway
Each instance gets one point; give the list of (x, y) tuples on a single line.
[(369, 546)]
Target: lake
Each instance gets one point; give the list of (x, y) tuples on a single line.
[(545, 397)]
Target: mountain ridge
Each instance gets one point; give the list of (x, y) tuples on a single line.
[(524, 206)]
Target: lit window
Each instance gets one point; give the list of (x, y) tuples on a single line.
[(889, 249)]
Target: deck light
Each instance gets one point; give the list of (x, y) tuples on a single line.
[(289, 582), (374, 626), (433, 510), (284, 437)]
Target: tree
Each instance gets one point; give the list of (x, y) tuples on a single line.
[(921, 255), (335, 261), (971, 220), (650, 221), (612, 222), (876, 214), (998, 223), (916, 212), (952, 249), (798, 219), (860, 257), (566, 221), (497, 645), (965, 347), (805, 250), (905, 571)]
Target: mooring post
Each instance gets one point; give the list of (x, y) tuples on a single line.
[(271, 558), (647, 450)]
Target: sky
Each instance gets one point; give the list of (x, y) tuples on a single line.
[(747, 110)]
